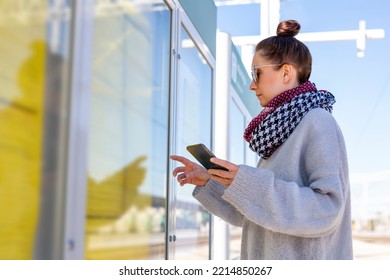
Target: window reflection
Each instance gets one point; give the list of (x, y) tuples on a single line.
[(193, 126), (32, 126), (128, 132)]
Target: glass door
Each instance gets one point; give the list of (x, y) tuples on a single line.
[(128, 131), (193, 125)]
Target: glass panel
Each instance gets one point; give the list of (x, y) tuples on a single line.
[(236, 131), (128, 153), (193, 126), (237, 156), (33, 63)]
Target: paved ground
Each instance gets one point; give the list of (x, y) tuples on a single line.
[(371, 250), (362, 250)]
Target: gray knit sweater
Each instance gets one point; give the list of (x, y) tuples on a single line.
[(296, 204)]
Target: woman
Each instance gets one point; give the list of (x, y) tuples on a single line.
[(296, 203)]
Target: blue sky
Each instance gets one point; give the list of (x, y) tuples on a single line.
[(361, 85)]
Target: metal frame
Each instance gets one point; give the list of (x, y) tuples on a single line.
[(80, 71), (171, 190)]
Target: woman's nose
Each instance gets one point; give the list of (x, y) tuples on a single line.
[(253, 86)]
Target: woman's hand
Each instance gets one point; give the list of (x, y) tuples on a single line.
[(222, 176), (190, 173)]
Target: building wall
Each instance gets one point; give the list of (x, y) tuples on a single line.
[(203, 14)]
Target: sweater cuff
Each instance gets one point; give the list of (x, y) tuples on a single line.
[(212, 188), (249, 183)]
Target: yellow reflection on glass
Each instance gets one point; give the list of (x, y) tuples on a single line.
[(22, 63), (120, 216)]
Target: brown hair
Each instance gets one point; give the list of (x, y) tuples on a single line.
[(284, 48)]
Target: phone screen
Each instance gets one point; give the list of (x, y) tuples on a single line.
[(203, 155)]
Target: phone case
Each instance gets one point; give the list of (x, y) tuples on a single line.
[(203, 155)]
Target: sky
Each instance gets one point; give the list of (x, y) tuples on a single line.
[(361, 85)]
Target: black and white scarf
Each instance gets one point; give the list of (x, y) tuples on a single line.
[(275, 124)]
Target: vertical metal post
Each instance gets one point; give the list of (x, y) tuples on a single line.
[(171, 187), (76, 184), (221, 132)]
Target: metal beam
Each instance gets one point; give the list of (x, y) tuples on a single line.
[(360, 36)]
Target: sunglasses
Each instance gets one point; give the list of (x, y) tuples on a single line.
[(255, 74)]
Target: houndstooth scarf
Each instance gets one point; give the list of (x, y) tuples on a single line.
[(266, 132)]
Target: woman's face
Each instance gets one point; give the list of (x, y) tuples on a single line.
[(269, 79)]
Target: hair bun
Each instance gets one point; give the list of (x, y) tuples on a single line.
[(288, 28)]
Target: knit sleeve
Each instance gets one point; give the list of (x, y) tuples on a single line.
[(312, 209), (210, 196)]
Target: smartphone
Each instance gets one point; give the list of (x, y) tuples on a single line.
[(203, 155)]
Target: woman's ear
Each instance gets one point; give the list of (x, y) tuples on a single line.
[(288, 72)]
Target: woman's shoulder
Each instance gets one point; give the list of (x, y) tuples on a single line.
[(319, 115), (319, 121)]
